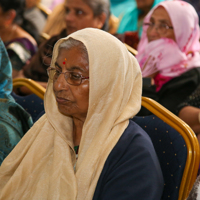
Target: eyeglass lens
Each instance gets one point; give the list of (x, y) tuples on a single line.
[(72, 78)]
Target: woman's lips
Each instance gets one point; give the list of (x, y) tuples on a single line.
[(61, 100)]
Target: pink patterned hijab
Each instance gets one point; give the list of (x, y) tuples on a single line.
[(165, 56)]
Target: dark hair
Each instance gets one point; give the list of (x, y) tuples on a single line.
[(99, 7), (17, 5)]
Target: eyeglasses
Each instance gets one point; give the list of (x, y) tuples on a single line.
[(73, 78), (161, 28)]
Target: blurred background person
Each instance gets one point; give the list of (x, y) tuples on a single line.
[(21, 46), (79, 14), (36, 16), (14, 120), (189, 111), (119, 7), (169, 55), (132, 19), (55, 21)]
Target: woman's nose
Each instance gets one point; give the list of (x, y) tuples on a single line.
[(60, 83)]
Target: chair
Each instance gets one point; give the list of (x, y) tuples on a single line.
[(131, 49), (176, 146), (31, 85), (44, 9), (113, 24), (32, 103)]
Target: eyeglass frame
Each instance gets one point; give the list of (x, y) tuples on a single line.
[(53, 68), (157, 27)]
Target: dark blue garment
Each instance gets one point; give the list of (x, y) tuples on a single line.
[(132, 170)]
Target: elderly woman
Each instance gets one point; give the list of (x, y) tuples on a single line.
[(169, 55), (14, 120), (92, 93)]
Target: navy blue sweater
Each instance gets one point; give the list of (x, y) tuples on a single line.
[(132, 170)]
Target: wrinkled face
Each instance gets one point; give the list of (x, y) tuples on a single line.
[(144, 5), (72, 100), (160, 17), (79, 15)]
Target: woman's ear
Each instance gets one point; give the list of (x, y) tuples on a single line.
[(9, 17), (101, 20)]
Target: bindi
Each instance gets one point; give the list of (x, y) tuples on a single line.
[(64, 61)]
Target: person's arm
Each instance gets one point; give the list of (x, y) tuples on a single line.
[(190, 115)]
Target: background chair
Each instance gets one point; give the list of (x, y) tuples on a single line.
[(176, 146), (131, 49), (32, 103), (46, 11), (32, 85)]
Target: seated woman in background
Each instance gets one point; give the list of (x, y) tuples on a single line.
[(132, 19), (34, 15), (20, 45), (14, 120), (169, 55), (79, 14), (119, 7), (92, 149), (55, 21)]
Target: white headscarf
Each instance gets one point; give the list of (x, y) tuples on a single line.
[(41, 165)]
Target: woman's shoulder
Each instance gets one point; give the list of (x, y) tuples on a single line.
[(22, 47), (135, 133), (132, 141), (21, 33), (128, 165)]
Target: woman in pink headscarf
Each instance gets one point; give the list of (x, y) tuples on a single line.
[(169, 52)]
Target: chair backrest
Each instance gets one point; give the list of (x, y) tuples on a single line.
[(33, 103), (176, 146), (36, 88), (44, 9), (131, 49)]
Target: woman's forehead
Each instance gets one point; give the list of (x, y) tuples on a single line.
[(72, 58), (160, 13)]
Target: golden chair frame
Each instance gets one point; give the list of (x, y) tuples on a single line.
[(131, 49), (35, 87), (192, 162), (43, 8)]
